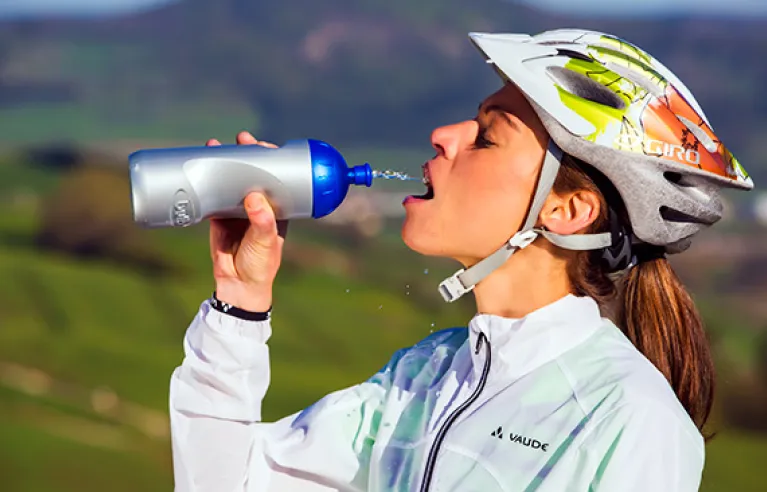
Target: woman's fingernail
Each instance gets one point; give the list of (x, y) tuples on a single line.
[(257, 202)]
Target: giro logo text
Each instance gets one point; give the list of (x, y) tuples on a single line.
[(660, 149), (520, 439)]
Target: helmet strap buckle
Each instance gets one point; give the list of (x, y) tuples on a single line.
[(452, 288), (523, 239)]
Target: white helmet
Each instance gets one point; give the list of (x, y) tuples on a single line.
[(613, 106)]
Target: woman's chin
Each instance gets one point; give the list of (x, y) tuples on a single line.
[(415, 239)]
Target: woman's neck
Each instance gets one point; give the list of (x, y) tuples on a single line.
[(528, 281)]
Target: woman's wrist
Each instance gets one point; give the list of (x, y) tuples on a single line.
[(246, 298), (229, 309)]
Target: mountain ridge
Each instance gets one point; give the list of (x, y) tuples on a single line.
[(366, 72)]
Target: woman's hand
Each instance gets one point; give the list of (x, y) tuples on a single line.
[(247, 253)]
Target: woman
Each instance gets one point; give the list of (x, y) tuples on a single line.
[(596, 161)]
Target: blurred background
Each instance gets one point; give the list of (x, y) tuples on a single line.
[(93, 309)]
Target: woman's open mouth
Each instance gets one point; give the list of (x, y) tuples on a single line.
[(426, 181)]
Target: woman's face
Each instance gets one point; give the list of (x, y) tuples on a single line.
[(482, 177)]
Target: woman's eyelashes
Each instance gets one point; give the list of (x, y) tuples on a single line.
[(482, 141)]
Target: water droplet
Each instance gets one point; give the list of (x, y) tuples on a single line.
[(432, 325), (407, 293), (347, 291), (390, 174), (425, 271), (380, 307)]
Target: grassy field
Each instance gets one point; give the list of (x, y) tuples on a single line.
[(98, 325), (84, 328)]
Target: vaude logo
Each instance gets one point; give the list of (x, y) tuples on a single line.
[(518, 438)]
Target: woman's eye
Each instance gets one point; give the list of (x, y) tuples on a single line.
[(482, 140)]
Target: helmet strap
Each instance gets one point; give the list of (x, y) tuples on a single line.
[(464, 280)]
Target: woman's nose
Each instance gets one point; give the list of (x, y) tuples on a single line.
[(446, 140)]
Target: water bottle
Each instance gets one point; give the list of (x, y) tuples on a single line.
[(179, 187)]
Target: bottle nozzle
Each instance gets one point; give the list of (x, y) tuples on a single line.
[(361, 175)]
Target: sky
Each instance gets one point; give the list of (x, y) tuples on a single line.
[(14, 8), (654, 7)]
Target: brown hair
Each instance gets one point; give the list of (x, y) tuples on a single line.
[(650, 304)]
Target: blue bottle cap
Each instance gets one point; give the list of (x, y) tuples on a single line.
[(332, 178)]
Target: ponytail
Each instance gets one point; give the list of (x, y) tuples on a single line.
[(650, 304), (658, 315)]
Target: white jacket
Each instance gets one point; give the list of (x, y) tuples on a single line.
[(557, 401)]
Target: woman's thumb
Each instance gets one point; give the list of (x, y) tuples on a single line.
[(261, 217)]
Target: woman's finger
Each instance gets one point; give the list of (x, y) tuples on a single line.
[(245, 138)]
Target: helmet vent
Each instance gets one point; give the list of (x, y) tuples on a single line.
[(574, 54), (692, 186), (676, 178), (671, 215), (637, 78), (583, 87)]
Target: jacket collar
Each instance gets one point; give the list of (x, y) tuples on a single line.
[(519, 346)]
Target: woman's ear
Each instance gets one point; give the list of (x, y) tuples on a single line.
[(570, 213)]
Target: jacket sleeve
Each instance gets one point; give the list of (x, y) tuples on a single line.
[(218, 440), (643, 448)]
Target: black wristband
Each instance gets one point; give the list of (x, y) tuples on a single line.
[(225, 308)]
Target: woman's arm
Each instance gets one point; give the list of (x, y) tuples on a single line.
[(219, 441)]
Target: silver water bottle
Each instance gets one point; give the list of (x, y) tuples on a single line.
[(178, 187)]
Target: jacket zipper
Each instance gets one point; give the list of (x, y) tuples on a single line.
[(431, 460)]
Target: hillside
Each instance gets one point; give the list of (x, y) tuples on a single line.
[(349, 71)]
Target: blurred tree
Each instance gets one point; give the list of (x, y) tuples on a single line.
[(89, 215), (54, 156)]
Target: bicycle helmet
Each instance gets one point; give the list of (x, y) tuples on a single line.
[(610, 104)]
